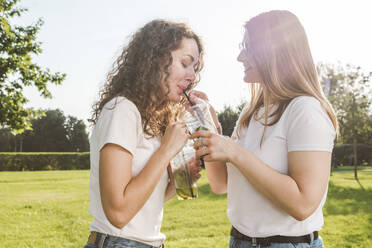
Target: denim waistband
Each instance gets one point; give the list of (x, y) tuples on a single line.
[(98, 239)]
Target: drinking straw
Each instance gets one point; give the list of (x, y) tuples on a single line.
[(188, 99)]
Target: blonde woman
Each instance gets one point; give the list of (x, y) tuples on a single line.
[(135, 135), (276, 166)]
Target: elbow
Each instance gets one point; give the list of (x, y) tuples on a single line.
[(116, 219), (300, 217), (218, 189), (303, 213), (118, 224)]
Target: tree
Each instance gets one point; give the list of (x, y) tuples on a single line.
[(17, 46), (51, 133), (76, 135), (349, 91), (48, 134), (6, 139), (228, 117)]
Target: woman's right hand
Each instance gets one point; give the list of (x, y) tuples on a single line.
[(213, 147), (174, 139)]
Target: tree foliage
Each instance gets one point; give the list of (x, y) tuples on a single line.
[(350, 92), (228, 118), (18, 45), (53, 132), (76, 134)]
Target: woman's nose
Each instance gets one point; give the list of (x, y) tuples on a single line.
[(191, 75), (241, 56)]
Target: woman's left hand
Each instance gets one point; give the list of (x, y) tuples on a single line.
[(213, 147)]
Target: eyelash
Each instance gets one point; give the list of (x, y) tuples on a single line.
[(185, 66)]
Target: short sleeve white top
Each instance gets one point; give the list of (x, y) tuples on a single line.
[(304, 126), (120, 123)]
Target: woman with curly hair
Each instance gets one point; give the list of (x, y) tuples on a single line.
[(135, 134), (275, 168)]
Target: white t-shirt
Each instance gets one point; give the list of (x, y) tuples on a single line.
[(121, 125), (304, 126)]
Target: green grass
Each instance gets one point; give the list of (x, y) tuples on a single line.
[(44, 209), (50, 209), (348, 210)]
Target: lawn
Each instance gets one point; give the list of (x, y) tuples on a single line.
[(50, 209)]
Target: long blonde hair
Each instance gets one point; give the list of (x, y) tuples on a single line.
[(280, 51)]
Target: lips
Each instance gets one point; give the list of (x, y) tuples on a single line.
[(180, 90), (247, 68)]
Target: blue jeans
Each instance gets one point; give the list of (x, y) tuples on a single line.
[(117, 242), (237, 243)]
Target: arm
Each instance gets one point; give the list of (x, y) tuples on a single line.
[(298, 193), (170, 192), (171, 188), (122, 196), (216, 171), (217, 176), (215, 167)]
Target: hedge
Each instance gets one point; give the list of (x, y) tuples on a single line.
[(32, 161)]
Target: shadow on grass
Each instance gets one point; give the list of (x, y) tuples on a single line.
[(343, 201), (350, 209), (361, 186)]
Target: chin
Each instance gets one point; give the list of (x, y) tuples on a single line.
[(247, 80), (174, 98), (250, 81)]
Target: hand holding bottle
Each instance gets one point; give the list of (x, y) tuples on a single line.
[(174, 139)]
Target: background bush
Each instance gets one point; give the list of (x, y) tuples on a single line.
[(344, 155), (27, 161)]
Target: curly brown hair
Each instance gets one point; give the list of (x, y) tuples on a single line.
[(143, 65)]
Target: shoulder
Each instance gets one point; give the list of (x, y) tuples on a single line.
[(308, 126), (308, 110), (122, 103), (301, 102), (120, 106), (119, 110), (305, 105), (119, 123)]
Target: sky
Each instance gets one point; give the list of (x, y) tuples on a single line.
[(82, 38)]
